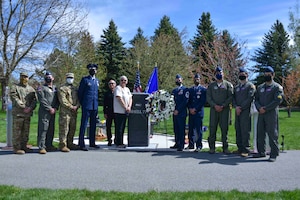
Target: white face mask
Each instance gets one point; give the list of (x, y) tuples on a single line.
[(70, 80)]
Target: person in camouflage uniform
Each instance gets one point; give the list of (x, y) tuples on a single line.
[(24, 100), (47, 95), (69, 104)]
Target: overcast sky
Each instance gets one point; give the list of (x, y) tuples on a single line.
[(248, 20)]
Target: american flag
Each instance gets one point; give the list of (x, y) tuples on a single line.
[(137, 83)]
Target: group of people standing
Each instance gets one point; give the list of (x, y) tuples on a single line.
[(221, 95), (67, 99)]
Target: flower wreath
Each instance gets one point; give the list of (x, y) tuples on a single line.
[(160, 105)]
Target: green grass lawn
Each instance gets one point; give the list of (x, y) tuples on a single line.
[(289, 127), (10, 192)]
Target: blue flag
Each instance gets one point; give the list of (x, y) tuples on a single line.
[(152, 85)]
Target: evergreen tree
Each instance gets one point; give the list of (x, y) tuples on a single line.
[(86, 54), (139, 38), (168, 52), (206, 33), (139, 55), (112, 49), (274, 52), (294, 27)]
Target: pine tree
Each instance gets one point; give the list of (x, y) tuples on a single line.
[(274, 52), (168, 52), (139, 55), (113, 51), (294, 28), (86, 54), (205, 35)]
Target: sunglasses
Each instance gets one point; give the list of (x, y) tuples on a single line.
[(123, 80), (111, 83)]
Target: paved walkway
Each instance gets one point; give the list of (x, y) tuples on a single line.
[(153, 168)]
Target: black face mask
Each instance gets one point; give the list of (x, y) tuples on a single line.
[(178, 83), (242, 77), (92, 72), (48, 80), (267, 78), (219, 76)]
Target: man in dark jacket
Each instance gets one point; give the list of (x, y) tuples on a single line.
[(108, 109)]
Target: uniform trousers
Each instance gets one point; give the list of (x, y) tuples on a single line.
[(221, 119), (91, 116), (179, 130), (243, 129), (21, 127), (67, 128), (195, 131), (268, 123), (46, 130)]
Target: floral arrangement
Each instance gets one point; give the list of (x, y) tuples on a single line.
[(160, 105)]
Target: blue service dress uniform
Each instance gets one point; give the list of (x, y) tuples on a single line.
[(197, 100), (181, 97), (88, 98), (268, 96)]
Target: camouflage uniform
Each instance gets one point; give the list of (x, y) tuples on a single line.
[(23, 96), (68, 98)]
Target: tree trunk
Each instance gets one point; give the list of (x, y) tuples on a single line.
[(289, 110), (3, 89)]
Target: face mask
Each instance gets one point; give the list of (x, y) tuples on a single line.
[(178, 83), (92, 72), (70, 81), (48, 79), (242, 77), (196, 82), (219, 76), (268, 78), (24, 81)]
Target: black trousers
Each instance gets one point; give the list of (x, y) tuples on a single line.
[(120, 124), (109, 120)]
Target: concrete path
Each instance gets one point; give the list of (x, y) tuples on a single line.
[(142, 170)]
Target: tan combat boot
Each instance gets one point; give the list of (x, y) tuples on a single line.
[(19, 152), (43, 151), (65, 149)]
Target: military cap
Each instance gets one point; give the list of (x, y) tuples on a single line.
[(219, 69), (269, 69), (70, 75), (47, 73), (242, 69), (23, 74), (178, 76), (197, 75), (92, 66)]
